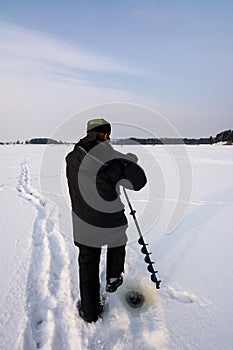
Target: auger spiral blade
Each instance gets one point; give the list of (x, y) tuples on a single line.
[(141, 241), (150, 267), (147, 258), (144, 250)]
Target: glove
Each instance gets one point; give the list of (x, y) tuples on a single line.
[(132, 157)]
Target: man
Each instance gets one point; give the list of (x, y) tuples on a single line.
[(94, 173)]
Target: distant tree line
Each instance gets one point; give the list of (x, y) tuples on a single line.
[(43, 141), (34, 141), (224, 136)]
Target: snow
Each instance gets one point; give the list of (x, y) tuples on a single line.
[(38, 261)]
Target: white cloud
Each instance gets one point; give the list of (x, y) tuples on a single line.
[(45, 51), (44, 80)]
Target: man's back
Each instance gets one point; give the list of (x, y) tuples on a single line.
[(94, 170)]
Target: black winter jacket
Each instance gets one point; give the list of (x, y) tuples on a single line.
[(94, 172)]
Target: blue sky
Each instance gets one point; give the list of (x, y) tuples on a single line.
[(58, 57)]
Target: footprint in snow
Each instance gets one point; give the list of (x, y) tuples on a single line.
[(181, 296)]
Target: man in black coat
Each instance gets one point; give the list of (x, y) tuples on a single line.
[(95, 172)]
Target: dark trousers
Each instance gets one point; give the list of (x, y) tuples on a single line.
[(89, 260)]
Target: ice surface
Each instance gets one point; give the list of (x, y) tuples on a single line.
[(38, 261)]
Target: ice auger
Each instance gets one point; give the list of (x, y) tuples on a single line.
[(141, 241)]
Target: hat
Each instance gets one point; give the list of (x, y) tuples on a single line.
[(99, 125)]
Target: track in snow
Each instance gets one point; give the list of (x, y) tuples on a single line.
[(50, 307)]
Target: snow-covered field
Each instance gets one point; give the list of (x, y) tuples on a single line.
[(38, 262)]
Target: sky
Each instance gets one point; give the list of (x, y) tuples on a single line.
[(59, 57)]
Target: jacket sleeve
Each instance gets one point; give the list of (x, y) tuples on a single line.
[(72, 177), (125, 172), (134, 177)]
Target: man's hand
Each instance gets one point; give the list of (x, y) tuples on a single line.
[(132, 157)]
